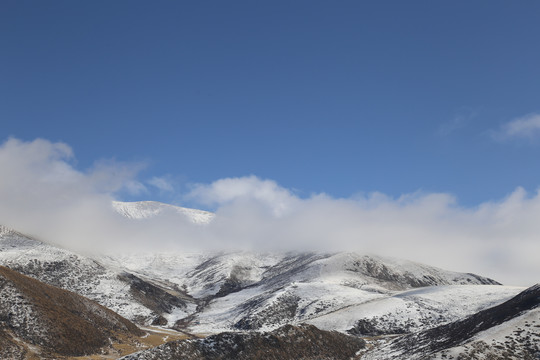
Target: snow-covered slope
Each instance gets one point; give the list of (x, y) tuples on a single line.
[(518, 339), (150, 209), (109, 286), (335, 291), (205, 274), (510, 330), (413, 310), (251, 291)]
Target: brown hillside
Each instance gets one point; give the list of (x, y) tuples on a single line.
[(56, 321), (303, 342)]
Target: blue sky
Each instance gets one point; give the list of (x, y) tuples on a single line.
[(336, 97)]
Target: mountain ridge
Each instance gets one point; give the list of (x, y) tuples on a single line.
[(149, 209)]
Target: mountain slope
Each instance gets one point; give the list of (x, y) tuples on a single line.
[(304, 287), (112, 287), (34, 316), (289, 342), (251, 291), (477, 335)]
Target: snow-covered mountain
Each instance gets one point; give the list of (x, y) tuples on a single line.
[(206, 293), (150, 209), (111, 287), (510, 330), (247, 291), (362, 295)]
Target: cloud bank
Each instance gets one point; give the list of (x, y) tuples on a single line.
[(43, 194)]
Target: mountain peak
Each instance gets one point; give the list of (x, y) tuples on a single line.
[(149, 209)]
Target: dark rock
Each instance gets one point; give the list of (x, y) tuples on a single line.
[(159, 321), (151, 296)]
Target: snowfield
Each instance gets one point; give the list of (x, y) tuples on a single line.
[(417, 309)]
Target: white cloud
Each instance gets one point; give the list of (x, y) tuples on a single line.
[(161, 183), (524, 127), (42, 193), (497, 239), (250, 188)]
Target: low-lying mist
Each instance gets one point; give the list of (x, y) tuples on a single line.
[(44, 195)]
